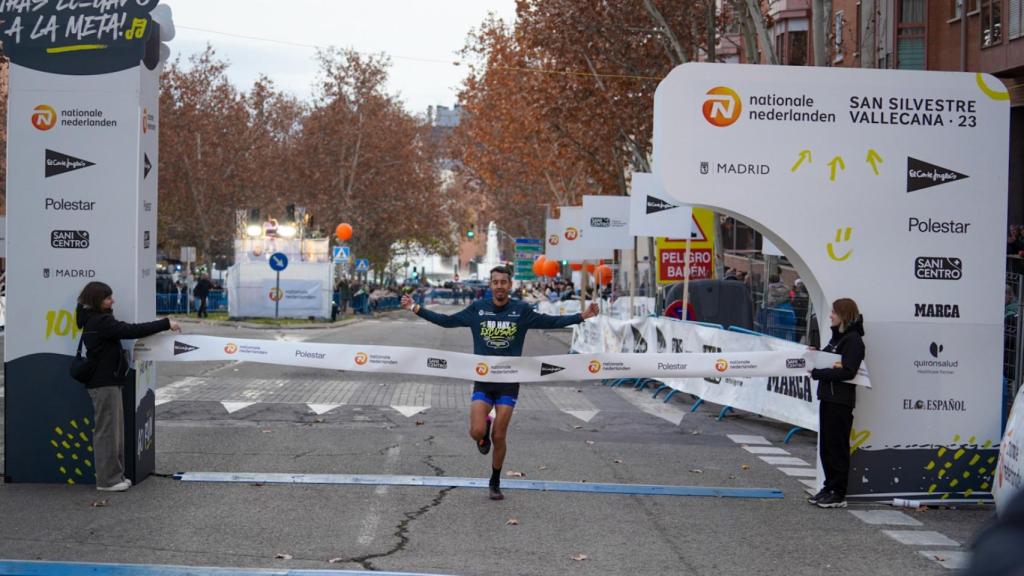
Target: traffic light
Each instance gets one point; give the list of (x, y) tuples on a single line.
[(565, 263), (471, 233)]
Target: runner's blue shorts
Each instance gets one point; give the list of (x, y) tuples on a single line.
[(500, 393)]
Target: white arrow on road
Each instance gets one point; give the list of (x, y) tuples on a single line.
[(410, 411), (585, 415), (232, 407), (321, 409)]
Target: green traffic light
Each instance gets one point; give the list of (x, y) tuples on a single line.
[(470, 234)]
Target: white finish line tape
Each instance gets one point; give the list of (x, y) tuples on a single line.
[(426, 362)]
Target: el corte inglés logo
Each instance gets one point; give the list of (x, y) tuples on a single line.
[(722, 107), (361, 358), (594, 367), (482, 369), (230, 348), (722, 365)]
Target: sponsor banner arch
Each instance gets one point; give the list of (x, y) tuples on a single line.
[(888, 187)]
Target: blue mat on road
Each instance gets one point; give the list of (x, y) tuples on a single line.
[(450, 482), (35, 568)]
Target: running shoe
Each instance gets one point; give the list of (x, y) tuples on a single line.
[(496, 493), (484, 445)]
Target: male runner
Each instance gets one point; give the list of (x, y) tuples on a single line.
[(499, 329)]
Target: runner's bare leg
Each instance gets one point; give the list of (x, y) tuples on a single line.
[(499, 430)]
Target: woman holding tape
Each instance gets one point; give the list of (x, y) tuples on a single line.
[(102, 335), (837, 398)]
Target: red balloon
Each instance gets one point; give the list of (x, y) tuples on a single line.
[(551, 268), (343, 231), (603, 275), (538, 266), (576, 266)]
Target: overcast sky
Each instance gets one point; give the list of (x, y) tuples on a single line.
[(408, 30)]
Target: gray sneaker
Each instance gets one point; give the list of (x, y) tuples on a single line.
[(119, 487)]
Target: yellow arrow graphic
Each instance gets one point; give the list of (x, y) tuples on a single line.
[(873, 159), (804, 155), (838, 160)]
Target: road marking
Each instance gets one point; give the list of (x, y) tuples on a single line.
[(765, 450), (410, 411), (892, 517), (799, 472), (321, 409), (745, 439), (177, 389), (666, 412), (812, 485), (920, 538), (784, 460), (233, 407), (373, 516), (585, 415)]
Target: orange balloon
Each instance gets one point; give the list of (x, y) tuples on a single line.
[(538, 266), (551, 268), (576, 266), (590, 268), (343, 231), (603, 275)]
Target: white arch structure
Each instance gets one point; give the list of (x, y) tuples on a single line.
[(888, 187)]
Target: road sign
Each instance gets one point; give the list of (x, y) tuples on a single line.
[(362, 265), (278, 261), (527, 250), (342, 254)]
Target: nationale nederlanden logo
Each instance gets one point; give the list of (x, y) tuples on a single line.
[(482, 369), (553, 240), (722, 107), (361, 358), (722, 365), (594, 367), (571, 233), (230, 348), (44, 117)]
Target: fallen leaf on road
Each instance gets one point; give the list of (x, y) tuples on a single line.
[(318, 419), (100, 504), (512, 522), (697, 471), (283, 557), (579, 557), (695, 433), (420, 422), (617, 461), (575, 427), (514, 474), (542, 467), (266, 430), (590, 442), (744, 467), (335, 560)]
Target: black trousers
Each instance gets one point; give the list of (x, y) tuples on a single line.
[(835, 422), (202, 308)]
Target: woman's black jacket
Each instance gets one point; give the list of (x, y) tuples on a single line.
[(102, 336), (832, 382)]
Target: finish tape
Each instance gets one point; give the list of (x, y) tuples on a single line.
[(169, 347)]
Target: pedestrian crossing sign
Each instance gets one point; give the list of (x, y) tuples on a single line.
[(342, 254), (362, 265)]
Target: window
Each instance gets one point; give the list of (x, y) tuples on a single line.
[(991, 23), (796, 55), (910, 40), (838, 31), (1016, 23)]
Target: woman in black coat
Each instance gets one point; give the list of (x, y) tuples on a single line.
[(837, 398), (102, 335)]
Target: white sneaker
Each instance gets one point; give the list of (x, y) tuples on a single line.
[(129, 481), (119, 487)]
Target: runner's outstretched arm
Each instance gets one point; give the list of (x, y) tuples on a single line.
[(538, 320), (457, 320)]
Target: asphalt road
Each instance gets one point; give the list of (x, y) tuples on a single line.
[(244, 417)]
